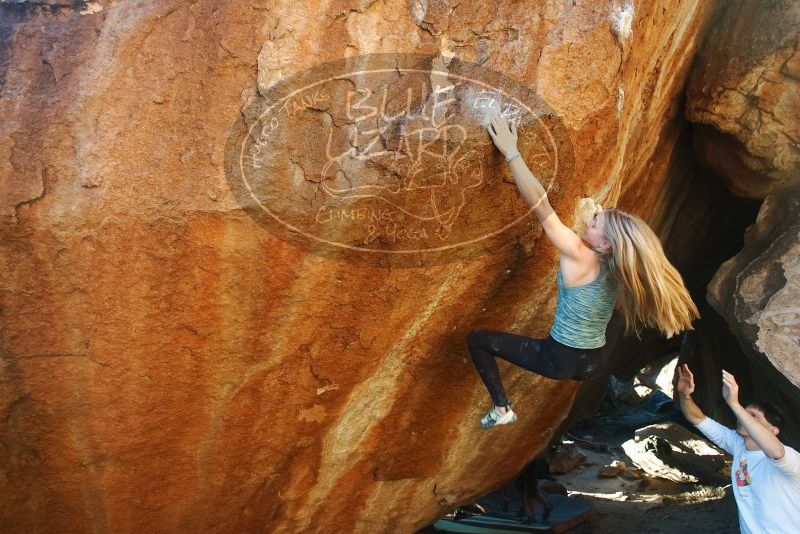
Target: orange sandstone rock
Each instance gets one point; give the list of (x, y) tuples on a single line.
[(170, 365)]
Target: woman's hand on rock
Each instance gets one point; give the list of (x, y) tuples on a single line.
[(503, 135)]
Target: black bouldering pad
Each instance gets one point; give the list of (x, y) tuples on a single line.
[(567, 513)]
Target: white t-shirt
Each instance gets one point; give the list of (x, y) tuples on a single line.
[(767, 491)]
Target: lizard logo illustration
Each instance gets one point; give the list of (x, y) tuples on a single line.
[(385, 159), (427, 175)]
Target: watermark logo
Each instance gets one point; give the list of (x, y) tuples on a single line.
[(384, 159)]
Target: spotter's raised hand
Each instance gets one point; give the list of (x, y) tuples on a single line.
[(730, 389)]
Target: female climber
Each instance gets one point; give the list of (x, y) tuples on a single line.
[(617, 259)]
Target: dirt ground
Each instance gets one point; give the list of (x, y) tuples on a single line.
[(718, 516), (628, 504), (632, 501)]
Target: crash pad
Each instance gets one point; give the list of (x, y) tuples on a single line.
[(568, 512)]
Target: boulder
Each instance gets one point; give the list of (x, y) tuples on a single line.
[(565, 457), (611, 470), (744, 95), (179, 357), (743, 98), (757, 290)]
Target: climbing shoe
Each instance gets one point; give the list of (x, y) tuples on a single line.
[(496, 418)]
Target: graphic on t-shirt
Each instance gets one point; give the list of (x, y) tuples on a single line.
[(742, 474)]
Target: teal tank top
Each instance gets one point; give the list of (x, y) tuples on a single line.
[(583, 312)]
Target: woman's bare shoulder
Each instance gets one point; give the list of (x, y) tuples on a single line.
[(583, 270)]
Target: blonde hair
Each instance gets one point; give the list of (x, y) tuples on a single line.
[(652, 292)]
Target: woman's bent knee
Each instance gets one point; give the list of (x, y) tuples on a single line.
[(475, 337)]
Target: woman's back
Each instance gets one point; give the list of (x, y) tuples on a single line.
[(583, 312)]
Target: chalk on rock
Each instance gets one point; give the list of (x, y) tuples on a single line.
[(622, 21)]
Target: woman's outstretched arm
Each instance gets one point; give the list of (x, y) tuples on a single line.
[(562, 236)]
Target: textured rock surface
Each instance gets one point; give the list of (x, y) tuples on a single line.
[(701, 225), (744, 93), (757, 290), (169, 366), (744, 97), (672, 452)]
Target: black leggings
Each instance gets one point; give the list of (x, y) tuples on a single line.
[(546, 357)]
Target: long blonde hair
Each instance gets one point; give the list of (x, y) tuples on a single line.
[(652, 292)]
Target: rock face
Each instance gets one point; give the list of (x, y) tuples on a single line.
[(170, 365), (757, 290), (744, 95)]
